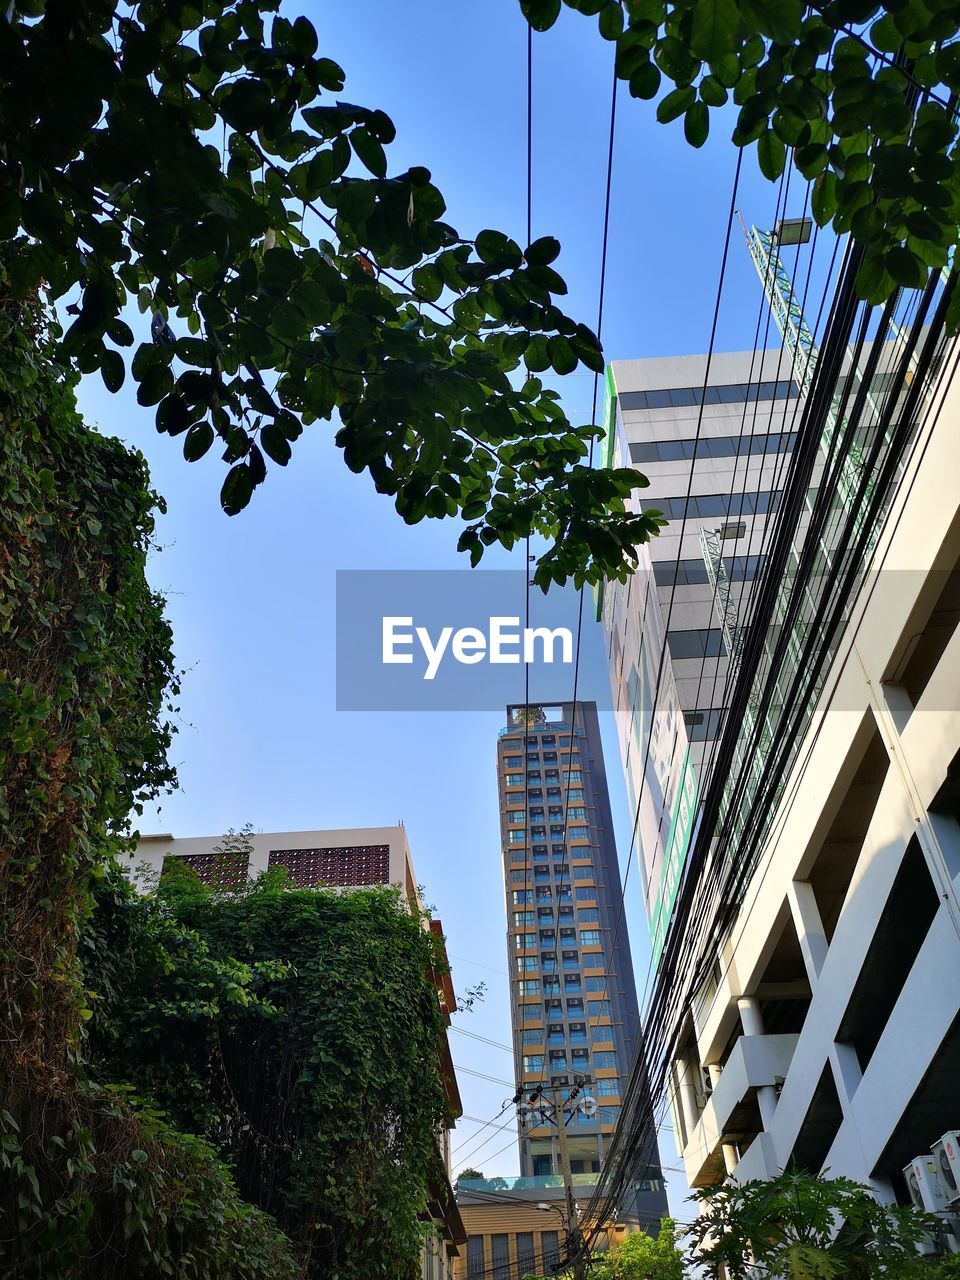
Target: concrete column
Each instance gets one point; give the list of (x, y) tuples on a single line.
[(847, 1074), (687, 1095), (714, 1070), (752, 1020), (809, 926), (731, 1157)]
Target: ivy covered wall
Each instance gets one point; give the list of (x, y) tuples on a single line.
[(189, 1086)]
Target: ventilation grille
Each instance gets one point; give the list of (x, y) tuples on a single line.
[(219, 870), (351, 865)]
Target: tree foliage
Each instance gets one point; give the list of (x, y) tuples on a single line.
[(801, 1227), (638, 1257), (89, 1186), (859, 95), (197, 157), (300, 1033)]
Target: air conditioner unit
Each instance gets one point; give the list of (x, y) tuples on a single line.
[(923, 1183), (946, 1152)]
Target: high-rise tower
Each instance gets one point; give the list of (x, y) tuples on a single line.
[(573, 997)]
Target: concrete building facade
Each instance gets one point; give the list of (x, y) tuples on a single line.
[(573, 997), (827, 1034), (715, 473)]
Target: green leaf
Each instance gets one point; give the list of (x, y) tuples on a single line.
[(537, 356), (542, 252), (197, 441), (771, 154), (498, 250), (610, 20), (645, 81), (427, 282), (562, 355), (823, 202), (716, 26), (905, 268), (873, 283), (112, 370), (712, 92), (696, 124), (328, 165), (541, 14), (275, 444), (675, 104), (237, 489), (370, 152), (778, 19)]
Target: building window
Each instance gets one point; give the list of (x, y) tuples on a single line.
[(518, 877), (599, 1008), (554, 1011), (531, 1013), (607, 1086), (539, 852), (544, 894), (532, 1036), (518, 855), (558, 1059), (589, 937), (548, 961), (703, 726), (571, 960), (526, 963), (575, 795), (578, 1033), (571, 982), (573, 775), (584, 894), (515, 815), (475, 1260), (514, 779), (512, 762), (575, 1008), (525, 941), (545, 915), (608, 1115), (522, 918), (536, 815), (583, 873), (597, 983), (520, 896), (579, 833), (713, 446), (588, 915), (604, 1061), (551, 986), (576, 815), (529, 986), (532, 1062), (516, 837)]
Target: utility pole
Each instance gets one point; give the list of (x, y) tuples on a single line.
[(552, 1106), (573, 1226)]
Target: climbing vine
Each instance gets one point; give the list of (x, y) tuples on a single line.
[(300, 1032), (90, 1183)]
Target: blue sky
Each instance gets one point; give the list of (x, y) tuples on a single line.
[(252, 599)]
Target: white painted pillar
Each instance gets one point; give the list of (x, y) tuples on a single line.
[(809, 926), (752, 1020)]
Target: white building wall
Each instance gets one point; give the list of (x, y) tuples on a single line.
[(920, 545)]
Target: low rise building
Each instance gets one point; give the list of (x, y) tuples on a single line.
[(350, 858)]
